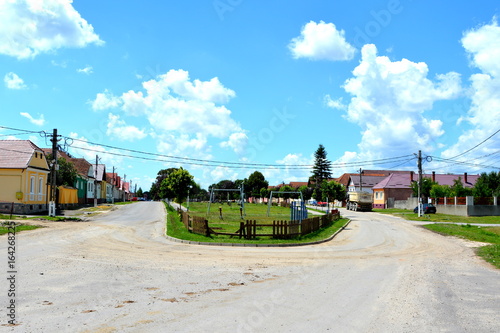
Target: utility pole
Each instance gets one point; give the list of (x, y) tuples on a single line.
[(95, 180), (123, 187), (113, 187), (52, 203), (360, 180), (419, 183)]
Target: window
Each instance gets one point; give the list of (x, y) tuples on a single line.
[(40, 189), (32, 188)]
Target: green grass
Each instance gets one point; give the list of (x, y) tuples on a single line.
[(490, 253), (55, 218), (176, 229), (20, 227), (409, 215), (124, 203)]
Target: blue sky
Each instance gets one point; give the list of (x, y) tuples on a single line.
[(255, 82)]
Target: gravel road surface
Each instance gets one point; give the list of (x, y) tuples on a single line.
[(118, 273)]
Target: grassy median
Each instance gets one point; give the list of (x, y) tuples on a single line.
[(411, 216), (5, 227), (176, 229)]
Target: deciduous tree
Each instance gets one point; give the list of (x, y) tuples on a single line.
[(176, 185)]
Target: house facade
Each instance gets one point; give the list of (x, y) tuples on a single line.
[(393, 187), (397, 186), (24, 177), (85, 180)]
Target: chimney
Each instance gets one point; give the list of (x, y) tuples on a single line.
[(465, 178), (433, 176), (411, 176)]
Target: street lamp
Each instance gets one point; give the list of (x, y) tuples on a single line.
[(189, 188)]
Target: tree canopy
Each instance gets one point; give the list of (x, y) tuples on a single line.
[(427, 184), (487, 185), (332, 191), (67, 173), (255, 182), (176, 185), (154, 192)]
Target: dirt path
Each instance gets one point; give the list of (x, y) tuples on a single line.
[(118, 273)]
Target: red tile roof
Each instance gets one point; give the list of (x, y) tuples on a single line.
[(17, 154)]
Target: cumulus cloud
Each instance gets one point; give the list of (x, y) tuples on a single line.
[(105, 100), (117, 128), (389, 102), (182, 112), (321, 41), (31, 27), (483, 49), (222, 173), (39, 122), (237, 142), (13, 81)]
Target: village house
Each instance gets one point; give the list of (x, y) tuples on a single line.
[(397, 186), (24, 177)]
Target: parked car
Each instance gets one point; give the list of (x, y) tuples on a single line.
[(426, 209)]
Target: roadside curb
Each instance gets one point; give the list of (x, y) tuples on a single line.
[(255, 245)]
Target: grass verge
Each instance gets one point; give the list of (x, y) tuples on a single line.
[(409, 215), (490, 253), (20, 227), (176, 229)]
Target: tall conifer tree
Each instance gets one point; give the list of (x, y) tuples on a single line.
[(321, 170)]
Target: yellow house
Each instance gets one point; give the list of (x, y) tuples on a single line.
[(24, 174)]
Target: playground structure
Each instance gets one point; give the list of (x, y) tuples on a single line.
[(269, 203), (241, 200)]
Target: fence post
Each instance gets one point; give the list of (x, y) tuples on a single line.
[(242, 229), (495, 201), (207, 229)]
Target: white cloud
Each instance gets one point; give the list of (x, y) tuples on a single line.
[(222, 173), (86, 70), (321, 41), (31, 27), (182, 113), (337, 104), (389, 100), (483, 49), (105, 100), (117, 128), (39, 122), (13, 81), (237, 141)]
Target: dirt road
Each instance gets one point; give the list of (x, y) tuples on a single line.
[(117, 273)]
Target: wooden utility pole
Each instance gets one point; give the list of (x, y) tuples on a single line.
[(95, 180), (53, 194), (113, 187), (360, 180), (419, 163)]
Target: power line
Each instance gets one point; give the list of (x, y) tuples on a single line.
[(214, 163), (465, 152)]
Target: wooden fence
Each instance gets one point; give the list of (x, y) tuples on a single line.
[(251, 229)]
